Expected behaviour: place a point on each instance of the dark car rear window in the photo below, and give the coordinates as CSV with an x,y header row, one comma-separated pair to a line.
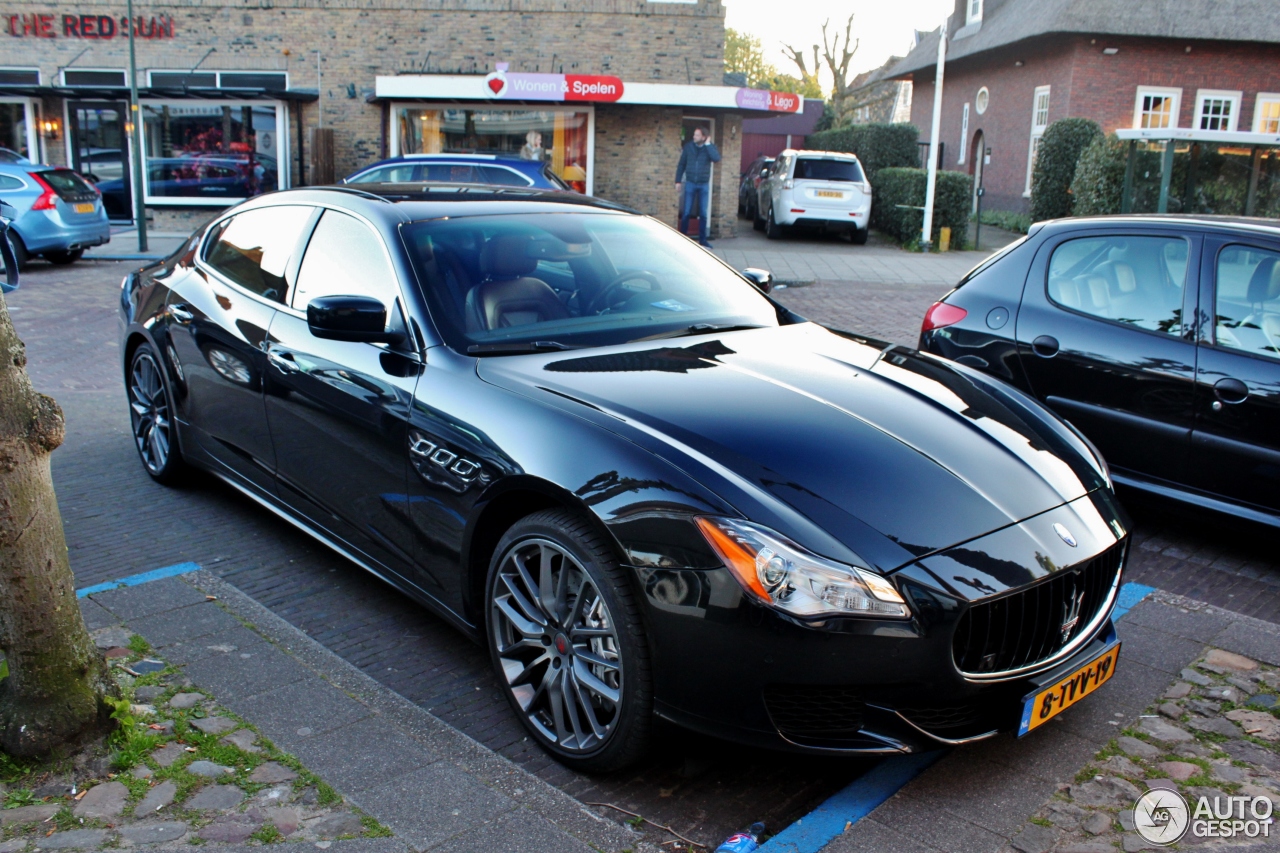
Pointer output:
x,y
827,170
65,182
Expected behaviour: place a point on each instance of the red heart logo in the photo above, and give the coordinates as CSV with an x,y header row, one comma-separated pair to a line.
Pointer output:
x,y
496,84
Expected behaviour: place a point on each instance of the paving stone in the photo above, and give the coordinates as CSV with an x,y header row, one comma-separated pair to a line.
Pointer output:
x,y
1196,678
1107,791
1241,750
1228,773
215,798
312,703
169,753
1137,748
362,755
1226,694
110,638
142,771
153,833
271,773
520,831
134,602
1204,707
213,725
1035,838
1162,731
1131,842
186,700
156,799
208,769
116,653
1194,750
28,814
334,825
1125,816
228,830
1121,766
1087,847
13,845
1097,823
77,838
243,739
1243,684
53,788
1178,691
1262,700
148,692
1230,660
1179,770
1065,814
285,820
1170,710
188,623
426,807
1256,723
105,801
1214,725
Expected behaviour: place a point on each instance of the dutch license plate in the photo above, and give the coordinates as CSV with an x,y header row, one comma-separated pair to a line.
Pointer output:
x,y
828,194
87,207
1049,702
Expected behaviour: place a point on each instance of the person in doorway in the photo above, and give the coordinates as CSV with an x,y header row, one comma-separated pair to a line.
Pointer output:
x,y
693,180
533,149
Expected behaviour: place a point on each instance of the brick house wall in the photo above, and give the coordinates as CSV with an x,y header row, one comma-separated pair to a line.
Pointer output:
x,y
1084,82
358,40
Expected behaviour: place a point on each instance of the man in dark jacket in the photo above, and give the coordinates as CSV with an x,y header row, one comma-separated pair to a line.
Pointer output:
x,y
693,179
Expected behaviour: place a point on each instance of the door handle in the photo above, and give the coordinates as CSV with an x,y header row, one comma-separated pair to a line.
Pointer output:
x,y
1230,391
181,313
1045,346
282,360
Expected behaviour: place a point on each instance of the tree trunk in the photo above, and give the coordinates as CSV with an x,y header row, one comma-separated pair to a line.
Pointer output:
x,y
57,678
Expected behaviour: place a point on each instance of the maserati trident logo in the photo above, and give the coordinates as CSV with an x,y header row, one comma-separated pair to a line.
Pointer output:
x,y
1064,534
1071,611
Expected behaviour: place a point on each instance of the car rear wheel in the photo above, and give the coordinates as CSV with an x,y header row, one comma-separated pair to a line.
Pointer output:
x,y
20,254
757,221
63,258
772,229
858,236
567,642
151,416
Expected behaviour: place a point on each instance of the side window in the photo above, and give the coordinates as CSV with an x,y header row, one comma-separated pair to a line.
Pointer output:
x,y
402,172
344,258
253,248
1137,281
452,173
503,177
8,182
1247,300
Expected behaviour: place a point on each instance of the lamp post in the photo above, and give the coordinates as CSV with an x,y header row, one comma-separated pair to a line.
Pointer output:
x,y
135,114
931,186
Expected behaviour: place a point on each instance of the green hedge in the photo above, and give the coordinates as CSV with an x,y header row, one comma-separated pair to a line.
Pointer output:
x,y
1059,151
878,146
952,203
1099,180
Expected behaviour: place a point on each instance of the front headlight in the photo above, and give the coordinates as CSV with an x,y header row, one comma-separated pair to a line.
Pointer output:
x,y
781,574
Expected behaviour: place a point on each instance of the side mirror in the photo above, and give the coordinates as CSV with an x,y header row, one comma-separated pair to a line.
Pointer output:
x,y
360,319
762,279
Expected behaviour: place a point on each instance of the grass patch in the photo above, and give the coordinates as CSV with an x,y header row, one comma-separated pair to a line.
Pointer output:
x,y
1086,773
1017,222
373,829
19,797
267,834
139,646
1041,821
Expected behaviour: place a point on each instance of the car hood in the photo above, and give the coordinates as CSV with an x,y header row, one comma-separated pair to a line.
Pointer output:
x,y
873,443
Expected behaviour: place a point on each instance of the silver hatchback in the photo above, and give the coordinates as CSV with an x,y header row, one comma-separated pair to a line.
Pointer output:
x,y
59,214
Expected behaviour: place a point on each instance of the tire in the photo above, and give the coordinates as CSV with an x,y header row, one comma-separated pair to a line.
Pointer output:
x,y
772,229
20,253
64,258
858,236
603,721
151,417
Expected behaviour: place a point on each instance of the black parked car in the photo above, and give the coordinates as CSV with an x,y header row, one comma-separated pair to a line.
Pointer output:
x,y
1158,337
649,489
749,186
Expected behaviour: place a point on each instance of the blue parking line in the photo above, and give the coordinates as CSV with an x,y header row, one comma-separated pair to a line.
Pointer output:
x,y
139,579
1130,595
817,829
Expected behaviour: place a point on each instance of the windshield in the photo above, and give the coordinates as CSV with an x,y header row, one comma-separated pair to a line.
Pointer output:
x,y
572,279
808,168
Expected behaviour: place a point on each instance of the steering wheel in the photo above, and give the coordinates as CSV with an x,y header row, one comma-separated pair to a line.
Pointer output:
x,y
604,301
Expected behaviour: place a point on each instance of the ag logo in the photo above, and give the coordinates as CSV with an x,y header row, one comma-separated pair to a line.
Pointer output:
x,y
1161,816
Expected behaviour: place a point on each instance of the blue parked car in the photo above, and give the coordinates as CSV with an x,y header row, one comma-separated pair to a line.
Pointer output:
x,y
58,213
460,169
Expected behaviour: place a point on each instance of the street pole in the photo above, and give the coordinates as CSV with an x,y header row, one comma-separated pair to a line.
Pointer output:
x,y
135,115
926,231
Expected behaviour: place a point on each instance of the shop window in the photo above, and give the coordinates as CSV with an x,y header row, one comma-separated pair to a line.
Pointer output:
x,y
558,138
1266,114
1039,121
15,129
184,80
210,153
94,77
252,80
1156,108
269,80
19,77
1216,110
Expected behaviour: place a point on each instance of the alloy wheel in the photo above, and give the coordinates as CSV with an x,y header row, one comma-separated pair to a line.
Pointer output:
x,y
149,413
557,646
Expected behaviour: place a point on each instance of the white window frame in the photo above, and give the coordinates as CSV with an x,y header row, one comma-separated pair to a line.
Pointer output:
x,y
39,74
1203,95
282,145
982,100
1037,130
1144,91
970,16
1263,99
32,117
393,141
964,134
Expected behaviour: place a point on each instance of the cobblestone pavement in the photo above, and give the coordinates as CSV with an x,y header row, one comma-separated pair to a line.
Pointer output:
x,y
118,522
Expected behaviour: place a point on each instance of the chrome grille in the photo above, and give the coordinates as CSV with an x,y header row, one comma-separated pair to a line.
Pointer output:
x,y
1034,624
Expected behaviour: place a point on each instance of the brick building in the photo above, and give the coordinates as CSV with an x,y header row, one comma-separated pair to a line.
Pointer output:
x,y
230,93
1016,66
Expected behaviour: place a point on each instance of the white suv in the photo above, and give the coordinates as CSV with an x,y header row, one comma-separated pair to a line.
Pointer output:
x,y
818,189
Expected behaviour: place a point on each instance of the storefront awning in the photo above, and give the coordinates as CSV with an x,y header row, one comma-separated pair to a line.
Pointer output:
x,y
101,93
503,86
1186,134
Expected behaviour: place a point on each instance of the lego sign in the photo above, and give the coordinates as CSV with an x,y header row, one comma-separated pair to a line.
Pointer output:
x,y
48,26
762,99
598,88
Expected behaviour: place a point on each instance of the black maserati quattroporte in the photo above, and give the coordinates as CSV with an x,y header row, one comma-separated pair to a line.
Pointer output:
x,y
649,489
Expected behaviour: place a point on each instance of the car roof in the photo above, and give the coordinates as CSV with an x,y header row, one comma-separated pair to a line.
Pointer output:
x,y
806,152
505,159
1248,224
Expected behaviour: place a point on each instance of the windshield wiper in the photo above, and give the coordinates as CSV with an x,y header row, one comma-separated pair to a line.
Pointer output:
x,y
518,347
697,329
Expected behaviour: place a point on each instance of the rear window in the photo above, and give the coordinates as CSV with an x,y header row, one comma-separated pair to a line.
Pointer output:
x,y
65,182
814,169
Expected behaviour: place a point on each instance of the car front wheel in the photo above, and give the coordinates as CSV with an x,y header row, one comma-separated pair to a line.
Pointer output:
x,y
567,642
151,416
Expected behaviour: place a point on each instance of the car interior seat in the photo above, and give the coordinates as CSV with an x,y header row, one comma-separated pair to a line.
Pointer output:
x,y
1264,287
508,295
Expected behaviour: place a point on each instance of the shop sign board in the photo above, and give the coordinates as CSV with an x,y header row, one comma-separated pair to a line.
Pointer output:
x,y
762,99
48,25
519,86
